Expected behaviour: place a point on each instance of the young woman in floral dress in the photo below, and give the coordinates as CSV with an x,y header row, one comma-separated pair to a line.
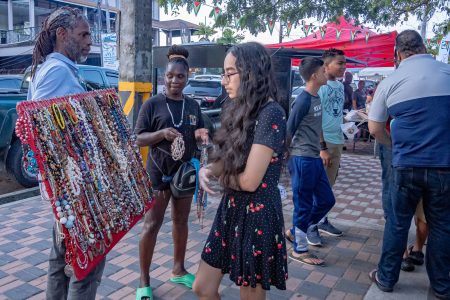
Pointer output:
x,y
247,237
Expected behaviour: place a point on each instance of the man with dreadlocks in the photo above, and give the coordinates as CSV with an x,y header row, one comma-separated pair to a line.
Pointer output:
x,y
65,40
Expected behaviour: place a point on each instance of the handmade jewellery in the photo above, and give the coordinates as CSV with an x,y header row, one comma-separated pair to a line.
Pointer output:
x,y
177,148
202,198
91,171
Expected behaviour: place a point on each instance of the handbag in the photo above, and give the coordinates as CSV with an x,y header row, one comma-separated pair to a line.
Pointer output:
x,y
184,183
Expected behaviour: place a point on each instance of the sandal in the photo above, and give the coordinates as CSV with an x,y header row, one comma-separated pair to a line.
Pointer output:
x,y
186,280
373,277
415,256
305,258
143,293
290,236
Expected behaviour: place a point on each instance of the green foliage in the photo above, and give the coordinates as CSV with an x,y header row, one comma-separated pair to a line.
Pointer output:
x,y
229,37
440,30
254,14
205,31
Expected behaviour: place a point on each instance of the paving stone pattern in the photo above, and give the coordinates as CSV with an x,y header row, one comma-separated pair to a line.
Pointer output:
x,y
25,239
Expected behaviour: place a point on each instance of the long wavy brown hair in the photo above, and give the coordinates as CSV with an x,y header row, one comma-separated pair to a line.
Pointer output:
x,y
257,87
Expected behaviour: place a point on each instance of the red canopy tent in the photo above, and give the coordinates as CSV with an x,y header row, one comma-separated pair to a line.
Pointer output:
x,y
377,50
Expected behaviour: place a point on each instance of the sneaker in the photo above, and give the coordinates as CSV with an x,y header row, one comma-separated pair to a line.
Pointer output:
x,y
313,237
374,278
328,228
407,265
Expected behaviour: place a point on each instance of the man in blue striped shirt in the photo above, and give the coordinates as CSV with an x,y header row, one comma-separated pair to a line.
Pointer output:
x,y
417,96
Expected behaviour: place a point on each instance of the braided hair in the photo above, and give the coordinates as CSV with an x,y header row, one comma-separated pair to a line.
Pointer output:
x,y
65,17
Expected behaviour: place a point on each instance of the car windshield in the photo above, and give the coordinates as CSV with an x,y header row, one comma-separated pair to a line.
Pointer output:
x,y
10,83
203,88
296,90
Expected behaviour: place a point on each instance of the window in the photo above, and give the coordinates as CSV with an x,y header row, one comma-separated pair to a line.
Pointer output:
x,y
113,79
93,79
203,88
10,83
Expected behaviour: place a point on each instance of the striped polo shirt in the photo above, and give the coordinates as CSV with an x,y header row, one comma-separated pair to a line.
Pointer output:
x,y
417,96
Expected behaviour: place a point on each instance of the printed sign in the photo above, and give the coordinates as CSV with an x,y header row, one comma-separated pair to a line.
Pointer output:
x,y
109,51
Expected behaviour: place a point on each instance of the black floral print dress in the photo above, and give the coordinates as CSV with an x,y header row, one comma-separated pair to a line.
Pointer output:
x,y
247,236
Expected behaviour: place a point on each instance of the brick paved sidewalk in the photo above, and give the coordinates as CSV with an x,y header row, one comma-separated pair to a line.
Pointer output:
x,y
25,241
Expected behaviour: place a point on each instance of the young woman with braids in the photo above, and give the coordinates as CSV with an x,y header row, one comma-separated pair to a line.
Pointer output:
x,y
65,39
247,237
161,120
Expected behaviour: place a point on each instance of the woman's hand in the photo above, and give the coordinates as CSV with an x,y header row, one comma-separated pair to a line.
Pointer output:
x,y
202,134
204,175
170,133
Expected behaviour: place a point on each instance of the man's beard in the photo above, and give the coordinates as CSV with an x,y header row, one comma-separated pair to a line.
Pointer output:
x,y
82,59
74,51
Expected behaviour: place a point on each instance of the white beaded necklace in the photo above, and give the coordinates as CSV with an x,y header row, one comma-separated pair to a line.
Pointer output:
x,y
178,125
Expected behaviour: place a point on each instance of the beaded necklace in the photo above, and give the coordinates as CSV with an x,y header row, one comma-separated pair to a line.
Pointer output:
x,y
179,124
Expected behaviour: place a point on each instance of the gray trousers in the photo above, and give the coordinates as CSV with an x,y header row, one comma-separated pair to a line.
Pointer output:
x,y
60,287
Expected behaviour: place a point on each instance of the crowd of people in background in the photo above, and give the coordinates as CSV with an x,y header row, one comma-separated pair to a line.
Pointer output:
x,y
409,117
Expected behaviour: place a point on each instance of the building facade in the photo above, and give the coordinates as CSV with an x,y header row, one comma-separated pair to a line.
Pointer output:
x,y
20,20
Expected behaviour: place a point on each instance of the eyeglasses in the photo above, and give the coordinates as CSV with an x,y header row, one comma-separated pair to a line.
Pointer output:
x,y
227,76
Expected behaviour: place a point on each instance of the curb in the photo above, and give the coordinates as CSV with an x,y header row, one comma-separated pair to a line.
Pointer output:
x,y
19,195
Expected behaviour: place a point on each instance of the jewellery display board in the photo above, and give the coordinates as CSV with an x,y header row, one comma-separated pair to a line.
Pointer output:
x,y
90,170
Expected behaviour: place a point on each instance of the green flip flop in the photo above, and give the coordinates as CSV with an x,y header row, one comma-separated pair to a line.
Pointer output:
x,y
145,292
186,280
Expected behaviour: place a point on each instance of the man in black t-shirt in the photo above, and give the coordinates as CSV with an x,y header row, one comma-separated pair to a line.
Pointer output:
x,y
348,90
359,96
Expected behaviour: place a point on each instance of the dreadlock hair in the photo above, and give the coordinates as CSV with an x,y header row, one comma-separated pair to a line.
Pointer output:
x,y
178,55
65,17
331,53
257,87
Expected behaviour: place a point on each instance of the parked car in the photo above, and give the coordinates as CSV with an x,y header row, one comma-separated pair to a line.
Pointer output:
x,y
368,84
10,83
94,78
296,90
10,145
208,77
205,91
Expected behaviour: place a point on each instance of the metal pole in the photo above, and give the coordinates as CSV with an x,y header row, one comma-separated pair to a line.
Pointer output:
x,y
280,37
99,29
108,21
423,23
31,18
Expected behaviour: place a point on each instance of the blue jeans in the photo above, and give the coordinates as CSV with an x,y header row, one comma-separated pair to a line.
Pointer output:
x,y
312,194
385,153
408,187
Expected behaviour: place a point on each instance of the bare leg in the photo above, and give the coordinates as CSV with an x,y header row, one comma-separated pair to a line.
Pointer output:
x,y
180,217
152,223
207,281
249,293
421,234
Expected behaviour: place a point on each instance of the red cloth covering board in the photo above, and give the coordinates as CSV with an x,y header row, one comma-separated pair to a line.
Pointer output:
x,y
96,202
377,50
